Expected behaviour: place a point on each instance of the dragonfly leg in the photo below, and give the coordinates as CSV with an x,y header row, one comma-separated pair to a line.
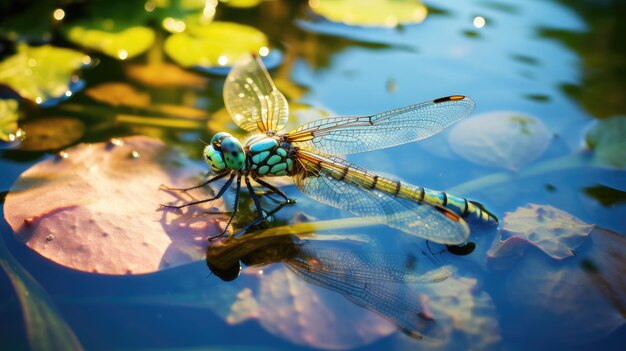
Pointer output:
x,y
275,190
209,181
235,208
219,194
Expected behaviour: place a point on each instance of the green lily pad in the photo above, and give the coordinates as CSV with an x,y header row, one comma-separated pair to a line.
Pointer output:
x,y
8,119
111,38
52,133
607,139
378,13
43,73
500,139
242,4
216,44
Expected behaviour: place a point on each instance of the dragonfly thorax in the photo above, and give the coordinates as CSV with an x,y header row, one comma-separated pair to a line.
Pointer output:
x,y
224,151
268,155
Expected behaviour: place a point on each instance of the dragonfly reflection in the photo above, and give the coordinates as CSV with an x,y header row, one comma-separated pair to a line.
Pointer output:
x,y
380,282
308,154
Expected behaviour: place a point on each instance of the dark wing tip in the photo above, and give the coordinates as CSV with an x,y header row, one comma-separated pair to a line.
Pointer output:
x,y
449,98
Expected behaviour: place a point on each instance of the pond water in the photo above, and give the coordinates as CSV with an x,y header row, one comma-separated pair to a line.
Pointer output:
x,y
543,150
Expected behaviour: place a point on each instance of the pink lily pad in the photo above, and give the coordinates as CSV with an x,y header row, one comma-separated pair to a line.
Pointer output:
x,y
95,208
555,232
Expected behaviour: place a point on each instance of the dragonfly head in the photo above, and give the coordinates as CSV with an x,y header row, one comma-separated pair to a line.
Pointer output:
x,y
224,151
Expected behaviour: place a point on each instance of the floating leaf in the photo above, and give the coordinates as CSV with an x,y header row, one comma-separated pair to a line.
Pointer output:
x,y
94,208
45,327
164,75
379,13
43,74
555,232
118,94
112,39
214,45
578,300
500,139
51,133
8,119
241,3
607,139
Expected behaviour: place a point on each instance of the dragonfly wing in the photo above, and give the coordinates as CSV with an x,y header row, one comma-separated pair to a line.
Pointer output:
x,y
330,185
349,135
365,285
251,98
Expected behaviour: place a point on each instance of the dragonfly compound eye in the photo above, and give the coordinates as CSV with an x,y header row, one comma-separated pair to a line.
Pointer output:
x,y
218,138
214,158
233,153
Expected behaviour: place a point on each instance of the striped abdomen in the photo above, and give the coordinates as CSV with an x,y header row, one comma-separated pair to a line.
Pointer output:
x,y
343,170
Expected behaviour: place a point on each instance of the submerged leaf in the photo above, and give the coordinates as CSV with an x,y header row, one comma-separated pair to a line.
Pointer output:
x,y
164,75
45,327
380,13
215,45
42,74
500,139
95,208
118,94
8,119
578,300
607,139
120,43
51,133
555,232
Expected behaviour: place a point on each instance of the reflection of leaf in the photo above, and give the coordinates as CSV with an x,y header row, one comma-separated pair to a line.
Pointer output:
x,y
45,328
8,119
51,133
576,300
31,24
119,43
500,139
555,232
307,315
216,44
95,210
41,73
466,314
381,13
607,139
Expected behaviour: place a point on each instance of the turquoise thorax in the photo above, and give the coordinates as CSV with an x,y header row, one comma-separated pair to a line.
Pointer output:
x,y
268,157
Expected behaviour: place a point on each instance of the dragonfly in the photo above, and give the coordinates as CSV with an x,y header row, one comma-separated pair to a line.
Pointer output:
x,y
310,154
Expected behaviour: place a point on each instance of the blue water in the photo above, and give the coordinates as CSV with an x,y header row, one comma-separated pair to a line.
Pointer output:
x,y
546,59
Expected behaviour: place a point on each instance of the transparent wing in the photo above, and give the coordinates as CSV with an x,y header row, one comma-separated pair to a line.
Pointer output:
x,y
349,135
251,98
375,281
345,186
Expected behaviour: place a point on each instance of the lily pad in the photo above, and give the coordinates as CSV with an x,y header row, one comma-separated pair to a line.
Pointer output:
x,y
607,139
553,231
217,44
51,133
95,207
377,13
241,3
107,37
8,119
500,139
43,74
